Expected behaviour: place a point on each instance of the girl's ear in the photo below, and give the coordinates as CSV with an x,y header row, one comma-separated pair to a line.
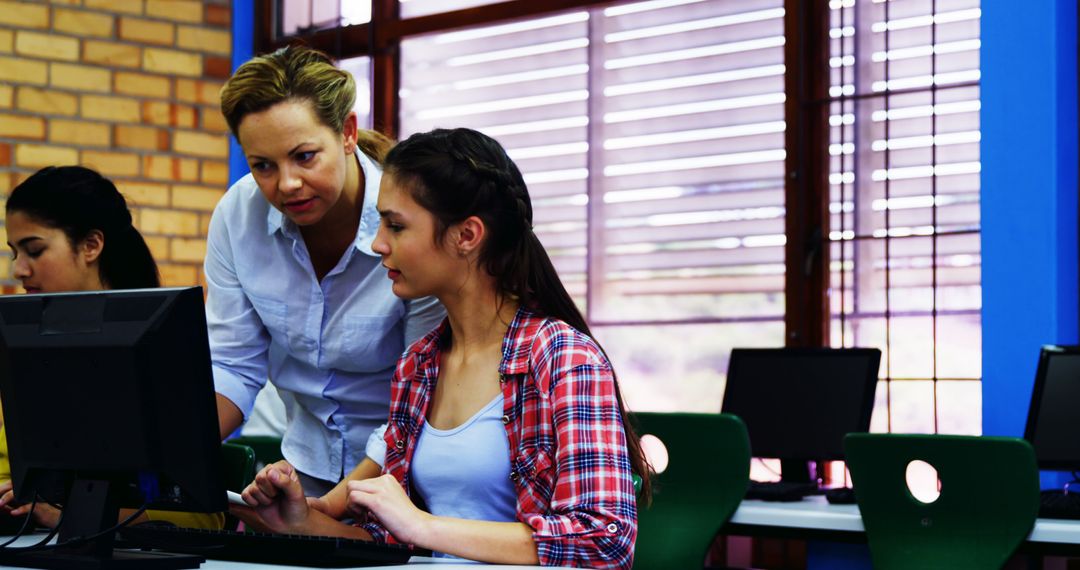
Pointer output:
x,y
91,246
469,235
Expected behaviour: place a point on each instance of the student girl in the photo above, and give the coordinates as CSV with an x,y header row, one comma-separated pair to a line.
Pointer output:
x,y
69,229
507,439
295,293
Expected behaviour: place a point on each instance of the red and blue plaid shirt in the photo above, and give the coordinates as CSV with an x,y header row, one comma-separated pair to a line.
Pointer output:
x,y
568,457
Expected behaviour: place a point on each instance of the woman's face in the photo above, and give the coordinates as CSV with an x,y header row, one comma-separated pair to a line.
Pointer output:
x,y
45,261
299,163
416,263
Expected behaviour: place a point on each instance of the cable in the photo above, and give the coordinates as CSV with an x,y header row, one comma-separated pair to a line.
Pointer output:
x,y
43,543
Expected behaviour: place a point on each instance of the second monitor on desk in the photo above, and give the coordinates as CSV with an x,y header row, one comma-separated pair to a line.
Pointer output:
x,y
798,403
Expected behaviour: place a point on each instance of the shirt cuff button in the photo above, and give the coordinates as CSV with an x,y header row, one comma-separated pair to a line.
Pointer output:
x,y
400,444
612,528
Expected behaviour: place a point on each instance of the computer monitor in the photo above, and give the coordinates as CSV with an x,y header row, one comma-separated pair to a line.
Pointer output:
x,y
1053,424
798,403
109,402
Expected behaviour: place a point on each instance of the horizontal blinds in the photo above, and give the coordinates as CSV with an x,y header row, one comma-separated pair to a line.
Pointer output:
x,y
682,103
904,153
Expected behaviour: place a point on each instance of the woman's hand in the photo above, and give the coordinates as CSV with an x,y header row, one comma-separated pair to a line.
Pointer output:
x,y
385,498
276,499
44,513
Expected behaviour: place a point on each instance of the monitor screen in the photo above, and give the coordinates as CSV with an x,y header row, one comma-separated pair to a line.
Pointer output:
x,y
113,387
798,403
1053,422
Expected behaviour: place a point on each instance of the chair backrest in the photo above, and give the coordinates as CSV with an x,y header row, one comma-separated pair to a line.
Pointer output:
x,y
238,462
707,474
267,448
988,502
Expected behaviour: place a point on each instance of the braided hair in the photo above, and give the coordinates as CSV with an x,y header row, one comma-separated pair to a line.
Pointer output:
x,y
458,173
77,201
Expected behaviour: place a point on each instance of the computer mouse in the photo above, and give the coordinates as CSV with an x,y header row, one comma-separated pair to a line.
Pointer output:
x,y
840,496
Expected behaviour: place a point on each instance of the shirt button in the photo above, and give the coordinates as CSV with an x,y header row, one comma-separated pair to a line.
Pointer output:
x,y
506,420
612,528
514,476
400,444
502,377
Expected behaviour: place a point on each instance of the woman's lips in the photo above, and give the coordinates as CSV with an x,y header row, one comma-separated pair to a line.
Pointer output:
x,y
300,205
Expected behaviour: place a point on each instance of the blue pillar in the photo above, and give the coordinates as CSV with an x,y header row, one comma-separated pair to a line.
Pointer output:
x,y
1029,197
243,46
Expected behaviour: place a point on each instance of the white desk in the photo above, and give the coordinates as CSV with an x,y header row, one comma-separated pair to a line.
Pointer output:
x,y
814,518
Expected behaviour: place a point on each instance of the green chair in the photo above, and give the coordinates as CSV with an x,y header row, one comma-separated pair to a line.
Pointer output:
x,y
267,448
238,465
988,502
706,477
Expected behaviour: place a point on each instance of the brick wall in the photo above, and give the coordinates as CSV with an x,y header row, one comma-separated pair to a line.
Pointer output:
x,y
128,87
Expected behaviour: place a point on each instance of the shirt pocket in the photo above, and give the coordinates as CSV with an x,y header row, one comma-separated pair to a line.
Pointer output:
x,y
373,343
535,466
274,316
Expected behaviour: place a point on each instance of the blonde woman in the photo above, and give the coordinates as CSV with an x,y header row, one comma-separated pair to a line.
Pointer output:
x,y
295,293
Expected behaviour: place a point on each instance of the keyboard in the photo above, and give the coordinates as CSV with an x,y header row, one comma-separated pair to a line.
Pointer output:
x,y
785,491
1056,504
296,550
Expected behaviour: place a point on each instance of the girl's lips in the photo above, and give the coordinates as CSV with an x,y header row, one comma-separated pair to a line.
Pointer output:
x,y
393,273
32,289
300,205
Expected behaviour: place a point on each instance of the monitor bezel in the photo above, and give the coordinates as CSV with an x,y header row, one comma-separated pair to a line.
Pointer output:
x,y
873,359
1046,353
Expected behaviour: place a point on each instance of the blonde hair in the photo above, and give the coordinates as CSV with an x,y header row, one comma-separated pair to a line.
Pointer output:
x,y
297,73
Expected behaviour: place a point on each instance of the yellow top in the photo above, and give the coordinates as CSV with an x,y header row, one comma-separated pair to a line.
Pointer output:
x,y
189,520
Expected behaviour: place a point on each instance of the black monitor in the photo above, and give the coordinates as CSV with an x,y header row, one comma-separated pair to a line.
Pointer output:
x,y
1053,423
799,403
109,402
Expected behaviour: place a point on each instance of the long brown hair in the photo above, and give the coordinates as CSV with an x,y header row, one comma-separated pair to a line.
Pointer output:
x,y
457,173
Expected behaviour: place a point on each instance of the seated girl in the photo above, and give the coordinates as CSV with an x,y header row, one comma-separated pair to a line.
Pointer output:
x,y
69,229
507,440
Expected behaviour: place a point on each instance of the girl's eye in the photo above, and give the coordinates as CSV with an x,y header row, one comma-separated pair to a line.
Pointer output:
x,y
305,156
260,167
35,253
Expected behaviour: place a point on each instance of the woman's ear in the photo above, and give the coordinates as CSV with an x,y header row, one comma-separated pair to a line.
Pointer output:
x,y
469,235
91,246
350,132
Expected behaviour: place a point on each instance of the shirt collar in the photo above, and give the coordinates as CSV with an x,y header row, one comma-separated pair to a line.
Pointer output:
x,y
517,343
369,215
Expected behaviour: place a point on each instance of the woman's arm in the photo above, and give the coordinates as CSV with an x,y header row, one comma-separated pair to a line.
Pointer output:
x,y
334,504
276,503
494,542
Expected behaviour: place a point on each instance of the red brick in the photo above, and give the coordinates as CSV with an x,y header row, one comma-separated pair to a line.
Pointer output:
x,y
216,15
5,154
219,67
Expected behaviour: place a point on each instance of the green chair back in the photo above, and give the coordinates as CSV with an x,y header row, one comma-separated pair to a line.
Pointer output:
x,y
706,477
238,462
267,448
988,502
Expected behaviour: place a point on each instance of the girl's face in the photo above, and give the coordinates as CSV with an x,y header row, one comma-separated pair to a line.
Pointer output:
x,y
45,261
299,163
416,263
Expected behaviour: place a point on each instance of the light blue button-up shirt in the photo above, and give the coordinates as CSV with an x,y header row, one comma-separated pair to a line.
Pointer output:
x,y
330,347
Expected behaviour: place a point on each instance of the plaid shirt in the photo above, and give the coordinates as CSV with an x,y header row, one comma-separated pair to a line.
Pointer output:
x,y
569,462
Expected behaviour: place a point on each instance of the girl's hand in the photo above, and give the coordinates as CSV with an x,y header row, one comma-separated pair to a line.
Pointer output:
x,y
44,514
277,500
385,498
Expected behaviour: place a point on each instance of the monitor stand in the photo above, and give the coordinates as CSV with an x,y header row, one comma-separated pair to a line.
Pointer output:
x,y
795,471
90,510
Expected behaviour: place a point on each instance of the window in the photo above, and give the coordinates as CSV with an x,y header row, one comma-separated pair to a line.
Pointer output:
x,y
904,201
652,136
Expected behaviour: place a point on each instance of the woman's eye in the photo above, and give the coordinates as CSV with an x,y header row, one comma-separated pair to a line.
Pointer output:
x,y
305,156
260,167
35,253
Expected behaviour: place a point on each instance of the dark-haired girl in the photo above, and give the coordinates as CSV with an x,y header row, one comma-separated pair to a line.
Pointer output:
x,y
506,422
69,229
